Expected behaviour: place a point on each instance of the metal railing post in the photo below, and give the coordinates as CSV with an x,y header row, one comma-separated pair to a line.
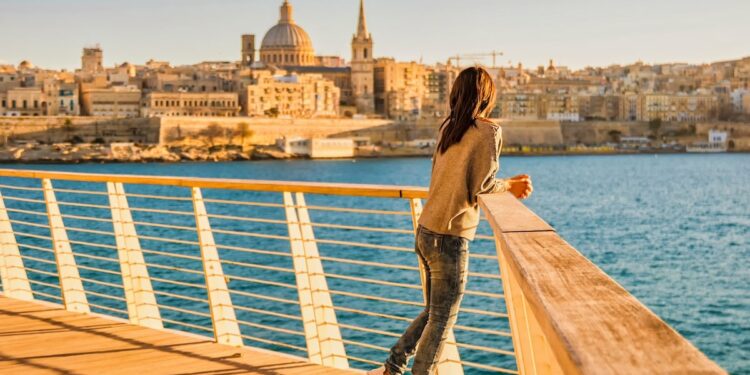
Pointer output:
x,y
71,286
450,360
304,292
139,294
12,271
223,317
332,348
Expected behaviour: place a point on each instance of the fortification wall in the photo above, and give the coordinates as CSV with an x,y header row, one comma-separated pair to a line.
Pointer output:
x,y
63,129
531,132
176,130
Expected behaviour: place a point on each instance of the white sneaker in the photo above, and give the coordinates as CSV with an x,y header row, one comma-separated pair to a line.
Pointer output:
x,y
378,371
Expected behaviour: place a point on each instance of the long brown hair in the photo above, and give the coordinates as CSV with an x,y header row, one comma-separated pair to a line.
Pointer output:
x,y
473,96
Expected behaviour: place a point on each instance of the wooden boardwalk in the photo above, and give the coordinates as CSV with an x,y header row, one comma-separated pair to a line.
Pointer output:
x,y
41,338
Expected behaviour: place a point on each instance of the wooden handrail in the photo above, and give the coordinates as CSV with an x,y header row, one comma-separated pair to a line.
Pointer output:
x,y
362,190
574,318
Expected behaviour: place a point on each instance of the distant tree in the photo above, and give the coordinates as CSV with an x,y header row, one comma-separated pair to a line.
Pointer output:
x,y
174,134
68,128
5,136
655,125
212,132
615,135
243,131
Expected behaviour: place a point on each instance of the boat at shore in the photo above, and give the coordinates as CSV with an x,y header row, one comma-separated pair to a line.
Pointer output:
x,y
707,147
717,142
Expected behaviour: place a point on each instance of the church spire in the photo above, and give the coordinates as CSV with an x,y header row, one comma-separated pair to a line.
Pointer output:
x,y
362,25
286,13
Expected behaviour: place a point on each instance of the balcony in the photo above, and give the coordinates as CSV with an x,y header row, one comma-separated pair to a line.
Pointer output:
x,y
322,272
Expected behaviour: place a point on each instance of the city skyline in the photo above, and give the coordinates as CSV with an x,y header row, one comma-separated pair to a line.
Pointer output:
x,y
575,36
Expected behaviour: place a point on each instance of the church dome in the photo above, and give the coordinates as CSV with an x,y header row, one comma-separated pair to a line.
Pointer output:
x,y
286,35
25,64
286,43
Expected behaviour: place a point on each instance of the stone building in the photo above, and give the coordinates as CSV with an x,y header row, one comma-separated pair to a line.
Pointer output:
x,y
400,88
24,101
291,95
599,107
201,104
678,107
91,60
518,106
62,97
115,102
286,43
560,107
439,83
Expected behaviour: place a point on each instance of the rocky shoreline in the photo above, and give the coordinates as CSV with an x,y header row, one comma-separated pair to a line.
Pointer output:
x,y
133,153
129,153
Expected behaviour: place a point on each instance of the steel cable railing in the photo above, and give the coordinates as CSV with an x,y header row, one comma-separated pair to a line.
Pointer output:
x,y
341,269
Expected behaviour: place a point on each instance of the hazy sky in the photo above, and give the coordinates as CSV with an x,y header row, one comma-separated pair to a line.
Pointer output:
x,y
576,33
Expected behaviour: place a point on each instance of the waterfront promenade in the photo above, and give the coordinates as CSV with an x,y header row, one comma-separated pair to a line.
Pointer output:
x,y
542,306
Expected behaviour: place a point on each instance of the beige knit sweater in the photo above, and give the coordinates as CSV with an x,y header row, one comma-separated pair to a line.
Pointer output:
x,y
464,171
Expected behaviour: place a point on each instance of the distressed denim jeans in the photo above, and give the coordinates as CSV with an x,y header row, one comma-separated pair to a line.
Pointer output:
x,y
445,260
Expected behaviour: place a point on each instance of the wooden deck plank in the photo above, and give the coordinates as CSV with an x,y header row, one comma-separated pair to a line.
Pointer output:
x,y
41,338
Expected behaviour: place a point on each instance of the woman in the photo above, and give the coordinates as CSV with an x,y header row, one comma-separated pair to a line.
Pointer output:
x,y
464,165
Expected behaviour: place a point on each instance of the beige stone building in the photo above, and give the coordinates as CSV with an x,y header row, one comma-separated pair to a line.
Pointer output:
x,y
678,107
208,104
399,88
519,106
92,60
24,101
8,78
62,98
117,102
560,107
439,83
287,43
291,95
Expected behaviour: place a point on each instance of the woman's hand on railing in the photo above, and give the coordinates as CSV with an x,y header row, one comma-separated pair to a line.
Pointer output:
x,y
520,186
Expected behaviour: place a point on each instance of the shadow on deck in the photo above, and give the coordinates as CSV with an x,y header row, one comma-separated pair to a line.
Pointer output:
x,y
42,338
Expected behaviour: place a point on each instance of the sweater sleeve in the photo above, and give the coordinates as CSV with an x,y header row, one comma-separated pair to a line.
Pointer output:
x,y
486,167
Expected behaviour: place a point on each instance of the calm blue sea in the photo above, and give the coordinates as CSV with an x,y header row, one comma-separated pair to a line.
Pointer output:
x,y
672,229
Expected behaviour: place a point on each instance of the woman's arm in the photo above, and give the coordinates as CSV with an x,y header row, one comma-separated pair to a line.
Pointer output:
x,y
520,186
486,166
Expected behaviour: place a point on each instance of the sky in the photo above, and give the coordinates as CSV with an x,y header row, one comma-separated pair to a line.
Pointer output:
x,y
575,33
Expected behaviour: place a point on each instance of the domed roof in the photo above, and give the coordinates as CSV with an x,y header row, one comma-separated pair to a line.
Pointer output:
x,y
25,64
286,33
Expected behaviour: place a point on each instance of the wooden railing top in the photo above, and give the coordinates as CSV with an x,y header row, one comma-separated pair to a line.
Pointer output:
x,y
362,190
593,325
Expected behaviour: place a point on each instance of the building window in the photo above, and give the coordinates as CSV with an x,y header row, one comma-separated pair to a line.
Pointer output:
x,y
365,53
25,104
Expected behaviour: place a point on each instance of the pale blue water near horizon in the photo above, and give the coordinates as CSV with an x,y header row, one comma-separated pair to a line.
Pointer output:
x,y
672,229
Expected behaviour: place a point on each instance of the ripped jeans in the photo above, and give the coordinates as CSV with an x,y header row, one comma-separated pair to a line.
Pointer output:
x,y
445,260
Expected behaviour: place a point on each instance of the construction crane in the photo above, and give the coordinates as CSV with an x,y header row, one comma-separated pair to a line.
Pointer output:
x,y
476,57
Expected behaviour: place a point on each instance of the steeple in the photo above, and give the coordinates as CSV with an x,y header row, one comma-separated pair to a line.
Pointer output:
x,y
362,24
286,13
